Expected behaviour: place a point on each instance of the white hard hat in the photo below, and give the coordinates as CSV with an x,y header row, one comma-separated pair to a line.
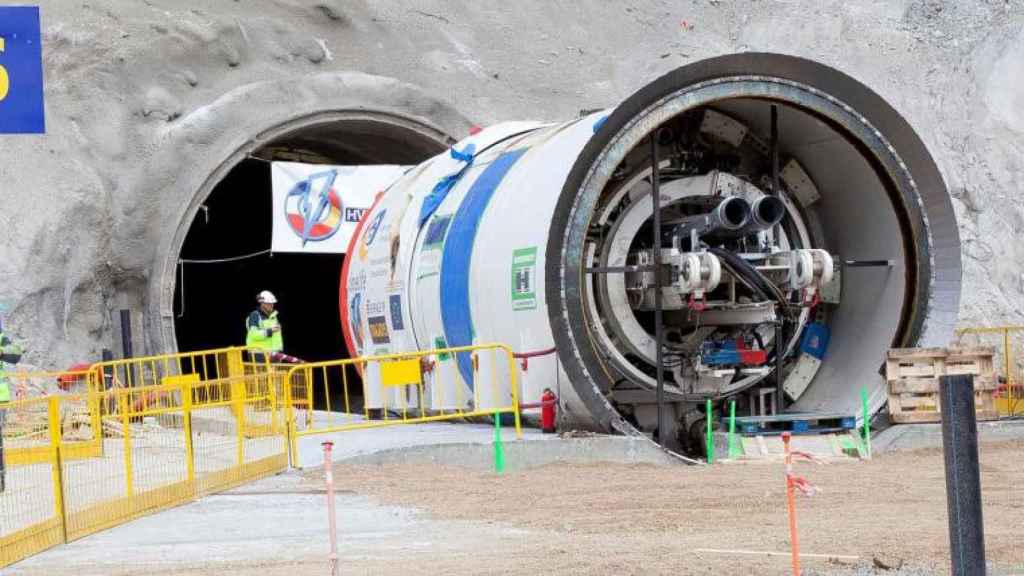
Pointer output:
x,y
266,297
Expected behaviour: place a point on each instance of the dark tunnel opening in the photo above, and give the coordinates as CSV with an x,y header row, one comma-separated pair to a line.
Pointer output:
x,y
225,259
217,285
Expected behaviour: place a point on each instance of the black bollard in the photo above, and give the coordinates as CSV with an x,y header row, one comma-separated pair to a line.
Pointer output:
x,y
126,347
963,477
107,355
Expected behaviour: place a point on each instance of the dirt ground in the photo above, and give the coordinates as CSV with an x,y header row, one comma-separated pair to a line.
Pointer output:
x,y
632,519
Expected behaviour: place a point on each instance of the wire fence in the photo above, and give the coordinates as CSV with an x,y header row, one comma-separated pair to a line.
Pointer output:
x,y
144,435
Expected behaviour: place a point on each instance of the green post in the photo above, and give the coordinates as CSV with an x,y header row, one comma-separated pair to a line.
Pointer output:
x,y
867,421
734,450
710,439
499,450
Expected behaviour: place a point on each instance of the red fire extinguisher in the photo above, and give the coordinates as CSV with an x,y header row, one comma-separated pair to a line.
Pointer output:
x,y
548,408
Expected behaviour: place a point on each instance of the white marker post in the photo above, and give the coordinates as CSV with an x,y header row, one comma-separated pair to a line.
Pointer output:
x,y
329,478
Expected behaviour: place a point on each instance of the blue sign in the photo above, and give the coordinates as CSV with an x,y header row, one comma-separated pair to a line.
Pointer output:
x,y
396,312
21,71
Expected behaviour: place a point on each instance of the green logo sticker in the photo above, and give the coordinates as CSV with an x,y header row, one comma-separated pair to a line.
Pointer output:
x,y
440,344
524,278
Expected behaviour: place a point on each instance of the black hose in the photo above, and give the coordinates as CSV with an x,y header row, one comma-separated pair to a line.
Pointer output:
x,y
753,278
758,339
741,268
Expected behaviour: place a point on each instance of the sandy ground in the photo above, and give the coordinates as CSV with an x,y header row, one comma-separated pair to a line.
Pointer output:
x,y
613,519
565,519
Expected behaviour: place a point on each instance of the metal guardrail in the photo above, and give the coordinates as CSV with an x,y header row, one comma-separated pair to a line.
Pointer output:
x,y
409,388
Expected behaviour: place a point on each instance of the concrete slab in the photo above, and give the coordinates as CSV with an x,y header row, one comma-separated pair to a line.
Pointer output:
x,y
917,436
281,520
354,443
526,455
269,522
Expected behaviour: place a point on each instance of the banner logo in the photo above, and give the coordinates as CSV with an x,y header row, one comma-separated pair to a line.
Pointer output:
x,y
313,207
318,208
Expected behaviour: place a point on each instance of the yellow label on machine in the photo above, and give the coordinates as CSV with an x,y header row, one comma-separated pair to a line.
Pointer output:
x,y
400,372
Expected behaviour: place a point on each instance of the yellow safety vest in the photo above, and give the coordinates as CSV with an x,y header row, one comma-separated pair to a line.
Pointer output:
x,y
10,353
260,332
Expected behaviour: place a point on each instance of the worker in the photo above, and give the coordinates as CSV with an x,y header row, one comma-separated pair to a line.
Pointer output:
x,y
263,331
10,353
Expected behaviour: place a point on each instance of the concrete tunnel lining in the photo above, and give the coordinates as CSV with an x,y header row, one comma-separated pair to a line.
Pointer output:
x,y
214,139
336,138
930,233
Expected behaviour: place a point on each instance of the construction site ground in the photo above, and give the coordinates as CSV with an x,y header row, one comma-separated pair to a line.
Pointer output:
x,y
599,518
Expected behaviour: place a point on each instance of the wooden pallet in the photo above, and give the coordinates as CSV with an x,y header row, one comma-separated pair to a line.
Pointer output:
x,y
913,378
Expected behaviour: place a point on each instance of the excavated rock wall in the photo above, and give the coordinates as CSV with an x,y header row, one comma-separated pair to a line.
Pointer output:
x,y
145,99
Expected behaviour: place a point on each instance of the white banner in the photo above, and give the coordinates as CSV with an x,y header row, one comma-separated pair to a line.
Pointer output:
x,y
317,207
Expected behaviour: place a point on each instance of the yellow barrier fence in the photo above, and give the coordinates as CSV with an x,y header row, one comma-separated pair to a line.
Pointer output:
x,y
1009,400
298,392
190,425
405,387
25,432
131,437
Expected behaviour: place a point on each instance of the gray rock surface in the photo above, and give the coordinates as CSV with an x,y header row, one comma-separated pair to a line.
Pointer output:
x,y
146,98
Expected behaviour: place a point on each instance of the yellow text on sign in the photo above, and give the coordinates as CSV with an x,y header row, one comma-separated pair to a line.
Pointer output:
x,y
5,82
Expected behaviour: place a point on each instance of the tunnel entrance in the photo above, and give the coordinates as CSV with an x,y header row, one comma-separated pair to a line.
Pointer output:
x,y
225,262
225,259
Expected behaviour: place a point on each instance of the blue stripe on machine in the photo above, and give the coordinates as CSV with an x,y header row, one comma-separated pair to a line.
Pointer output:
x,y
457,255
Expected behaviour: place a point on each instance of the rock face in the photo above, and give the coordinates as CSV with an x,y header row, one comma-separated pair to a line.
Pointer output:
x,y
146,99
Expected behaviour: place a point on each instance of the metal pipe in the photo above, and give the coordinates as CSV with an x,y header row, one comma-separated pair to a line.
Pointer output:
x,y
658,328
1008,362
765,212
869,263
780,352
730,216
775,149
963,478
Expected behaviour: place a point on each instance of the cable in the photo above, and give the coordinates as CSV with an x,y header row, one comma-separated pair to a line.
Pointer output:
x,y
223,260
751,276
758,339
742,271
